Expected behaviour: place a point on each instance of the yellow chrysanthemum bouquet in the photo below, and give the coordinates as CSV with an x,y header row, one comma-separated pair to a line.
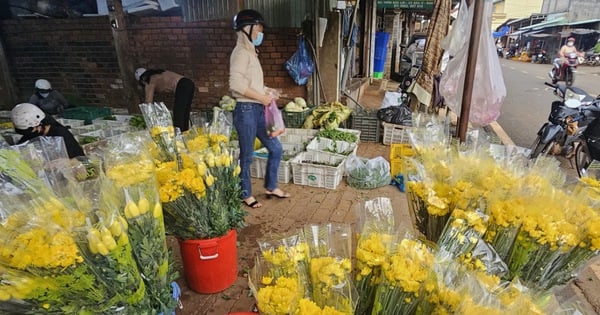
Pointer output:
x,y
375,238
462,232
198,180
403,276
130,169
42,238
330,266
279,279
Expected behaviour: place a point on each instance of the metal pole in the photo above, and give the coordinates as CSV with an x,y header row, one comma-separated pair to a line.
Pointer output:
x,y
463,122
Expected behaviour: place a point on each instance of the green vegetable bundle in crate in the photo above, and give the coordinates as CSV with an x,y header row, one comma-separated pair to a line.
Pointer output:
x,y
327,116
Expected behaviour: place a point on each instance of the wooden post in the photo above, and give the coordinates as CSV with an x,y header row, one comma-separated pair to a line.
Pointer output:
x,y
7,91
463,122
116,17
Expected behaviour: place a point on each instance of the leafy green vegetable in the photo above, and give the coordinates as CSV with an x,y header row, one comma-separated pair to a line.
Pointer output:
x,y
335,134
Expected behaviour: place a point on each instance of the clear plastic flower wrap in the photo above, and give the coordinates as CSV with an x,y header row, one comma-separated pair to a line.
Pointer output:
x,y
403,276
462,232
330,248
376,234
43,238
131,171
276,292
160,125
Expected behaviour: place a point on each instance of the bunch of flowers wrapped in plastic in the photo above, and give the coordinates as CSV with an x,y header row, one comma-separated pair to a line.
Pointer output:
x,y
60,260
330,266
199,183
403,276
372,250
542,229
131,171
279,279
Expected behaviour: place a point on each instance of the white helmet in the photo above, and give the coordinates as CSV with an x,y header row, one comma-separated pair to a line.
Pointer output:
x,y
42,84
26,115
139,72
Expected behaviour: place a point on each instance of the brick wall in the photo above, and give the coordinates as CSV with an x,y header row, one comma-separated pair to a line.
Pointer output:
x,y
78,57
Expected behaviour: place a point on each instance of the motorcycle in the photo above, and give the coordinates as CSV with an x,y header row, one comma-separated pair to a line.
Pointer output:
x,y
567,70
407,76
592,59
542,57
567,121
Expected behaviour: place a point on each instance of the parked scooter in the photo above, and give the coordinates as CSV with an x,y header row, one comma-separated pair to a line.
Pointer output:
x,y
542,57
407,76
592,59
567,70
567,121
588,147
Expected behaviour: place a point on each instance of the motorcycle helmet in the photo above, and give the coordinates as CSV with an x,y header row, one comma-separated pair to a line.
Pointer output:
x,y
571,39
26,115
43,86
247,17
139,72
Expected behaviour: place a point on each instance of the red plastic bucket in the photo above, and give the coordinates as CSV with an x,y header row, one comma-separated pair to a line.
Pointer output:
x,y
210,265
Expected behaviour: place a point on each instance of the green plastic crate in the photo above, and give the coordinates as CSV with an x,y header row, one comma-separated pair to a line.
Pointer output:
x,y
87,113
295,119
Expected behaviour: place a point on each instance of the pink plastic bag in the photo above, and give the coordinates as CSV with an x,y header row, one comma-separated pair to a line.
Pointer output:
x,y
274,120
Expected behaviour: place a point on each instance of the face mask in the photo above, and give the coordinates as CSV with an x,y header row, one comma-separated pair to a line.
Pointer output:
x,y
259,39
570,44
44,95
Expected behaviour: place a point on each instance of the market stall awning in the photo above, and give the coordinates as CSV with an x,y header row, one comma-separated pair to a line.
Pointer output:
x,y
584,22
516,34
545,24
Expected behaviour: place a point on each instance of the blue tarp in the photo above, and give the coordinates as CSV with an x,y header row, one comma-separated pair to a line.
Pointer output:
x,y
502,32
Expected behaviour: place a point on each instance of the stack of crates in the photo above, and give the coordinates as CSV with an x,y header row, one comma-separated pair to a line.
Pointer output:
x,y
367,123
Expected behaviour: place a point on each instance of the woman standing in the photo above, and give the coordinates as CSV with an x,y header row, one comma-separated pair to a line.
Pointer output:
x,y
246,83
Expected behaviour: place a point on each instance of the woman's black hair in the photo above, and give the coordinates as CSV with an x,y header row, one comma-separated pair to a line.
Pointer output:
x,y
145,77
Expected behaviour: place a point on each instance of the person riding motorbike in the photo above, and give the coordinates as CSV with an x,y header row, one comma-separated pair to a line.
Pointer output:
x,y
49,100
564,51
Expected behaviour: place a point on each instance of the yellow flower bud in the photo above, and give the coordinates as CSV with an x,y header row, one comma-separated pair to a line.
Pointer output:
x,y
132,209
218,161
4,296
104,232
211,162
124,223
202,168
157,213
210,180
237,170
102,250
115,228
143,205
109,242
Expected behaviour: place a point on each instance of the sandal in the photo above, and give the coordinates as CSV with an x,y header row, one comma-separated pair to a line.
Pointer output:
x,y
277,193
252,203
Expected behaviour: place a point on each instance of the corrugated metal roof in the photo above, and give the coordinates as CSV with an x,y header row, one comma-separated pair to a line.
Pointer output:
x,y
277,13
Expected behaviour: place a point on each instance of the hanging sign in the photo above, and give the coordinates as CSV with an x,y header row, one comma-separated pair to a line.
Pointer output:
x,y
405,4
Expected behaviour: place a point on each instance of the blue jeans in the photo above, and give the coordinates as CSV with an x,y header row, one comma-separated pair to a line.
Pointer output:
x,y
249,121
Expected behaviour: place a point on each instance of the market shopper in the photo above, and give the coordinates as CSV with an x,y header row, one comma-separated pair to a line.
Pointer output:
x,y
31,122
246,82
159,80
49,100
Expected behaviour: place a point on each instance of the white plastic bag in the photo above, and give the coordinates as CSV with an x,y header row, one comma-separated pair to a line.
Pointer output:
x,y
489,90
367,174
391,99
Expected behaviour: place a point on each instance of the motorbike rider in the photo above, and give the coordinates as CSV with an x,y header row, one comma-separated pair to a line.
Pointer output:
x,y
49,100
31,122
564,51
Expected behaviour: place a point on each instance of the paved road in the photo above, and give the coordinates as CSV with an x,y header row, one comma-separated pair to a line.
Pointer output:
x,y
528,100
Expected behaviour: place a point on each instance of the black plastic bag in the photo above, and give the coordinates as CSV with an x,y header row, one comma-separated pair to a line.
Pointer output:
x,y
300,66
399,115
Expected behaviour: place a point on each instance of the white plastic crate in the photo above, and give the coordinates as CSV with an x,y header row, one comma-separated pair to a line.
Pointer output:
x,y
84,129
297,136
258,168
98,134
393,133
71,122
353,131
330,146
318,169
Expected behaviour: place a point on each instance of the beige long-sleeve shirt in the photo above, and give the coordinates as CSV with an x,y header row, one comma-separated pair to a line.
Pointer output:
x,y
245,71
